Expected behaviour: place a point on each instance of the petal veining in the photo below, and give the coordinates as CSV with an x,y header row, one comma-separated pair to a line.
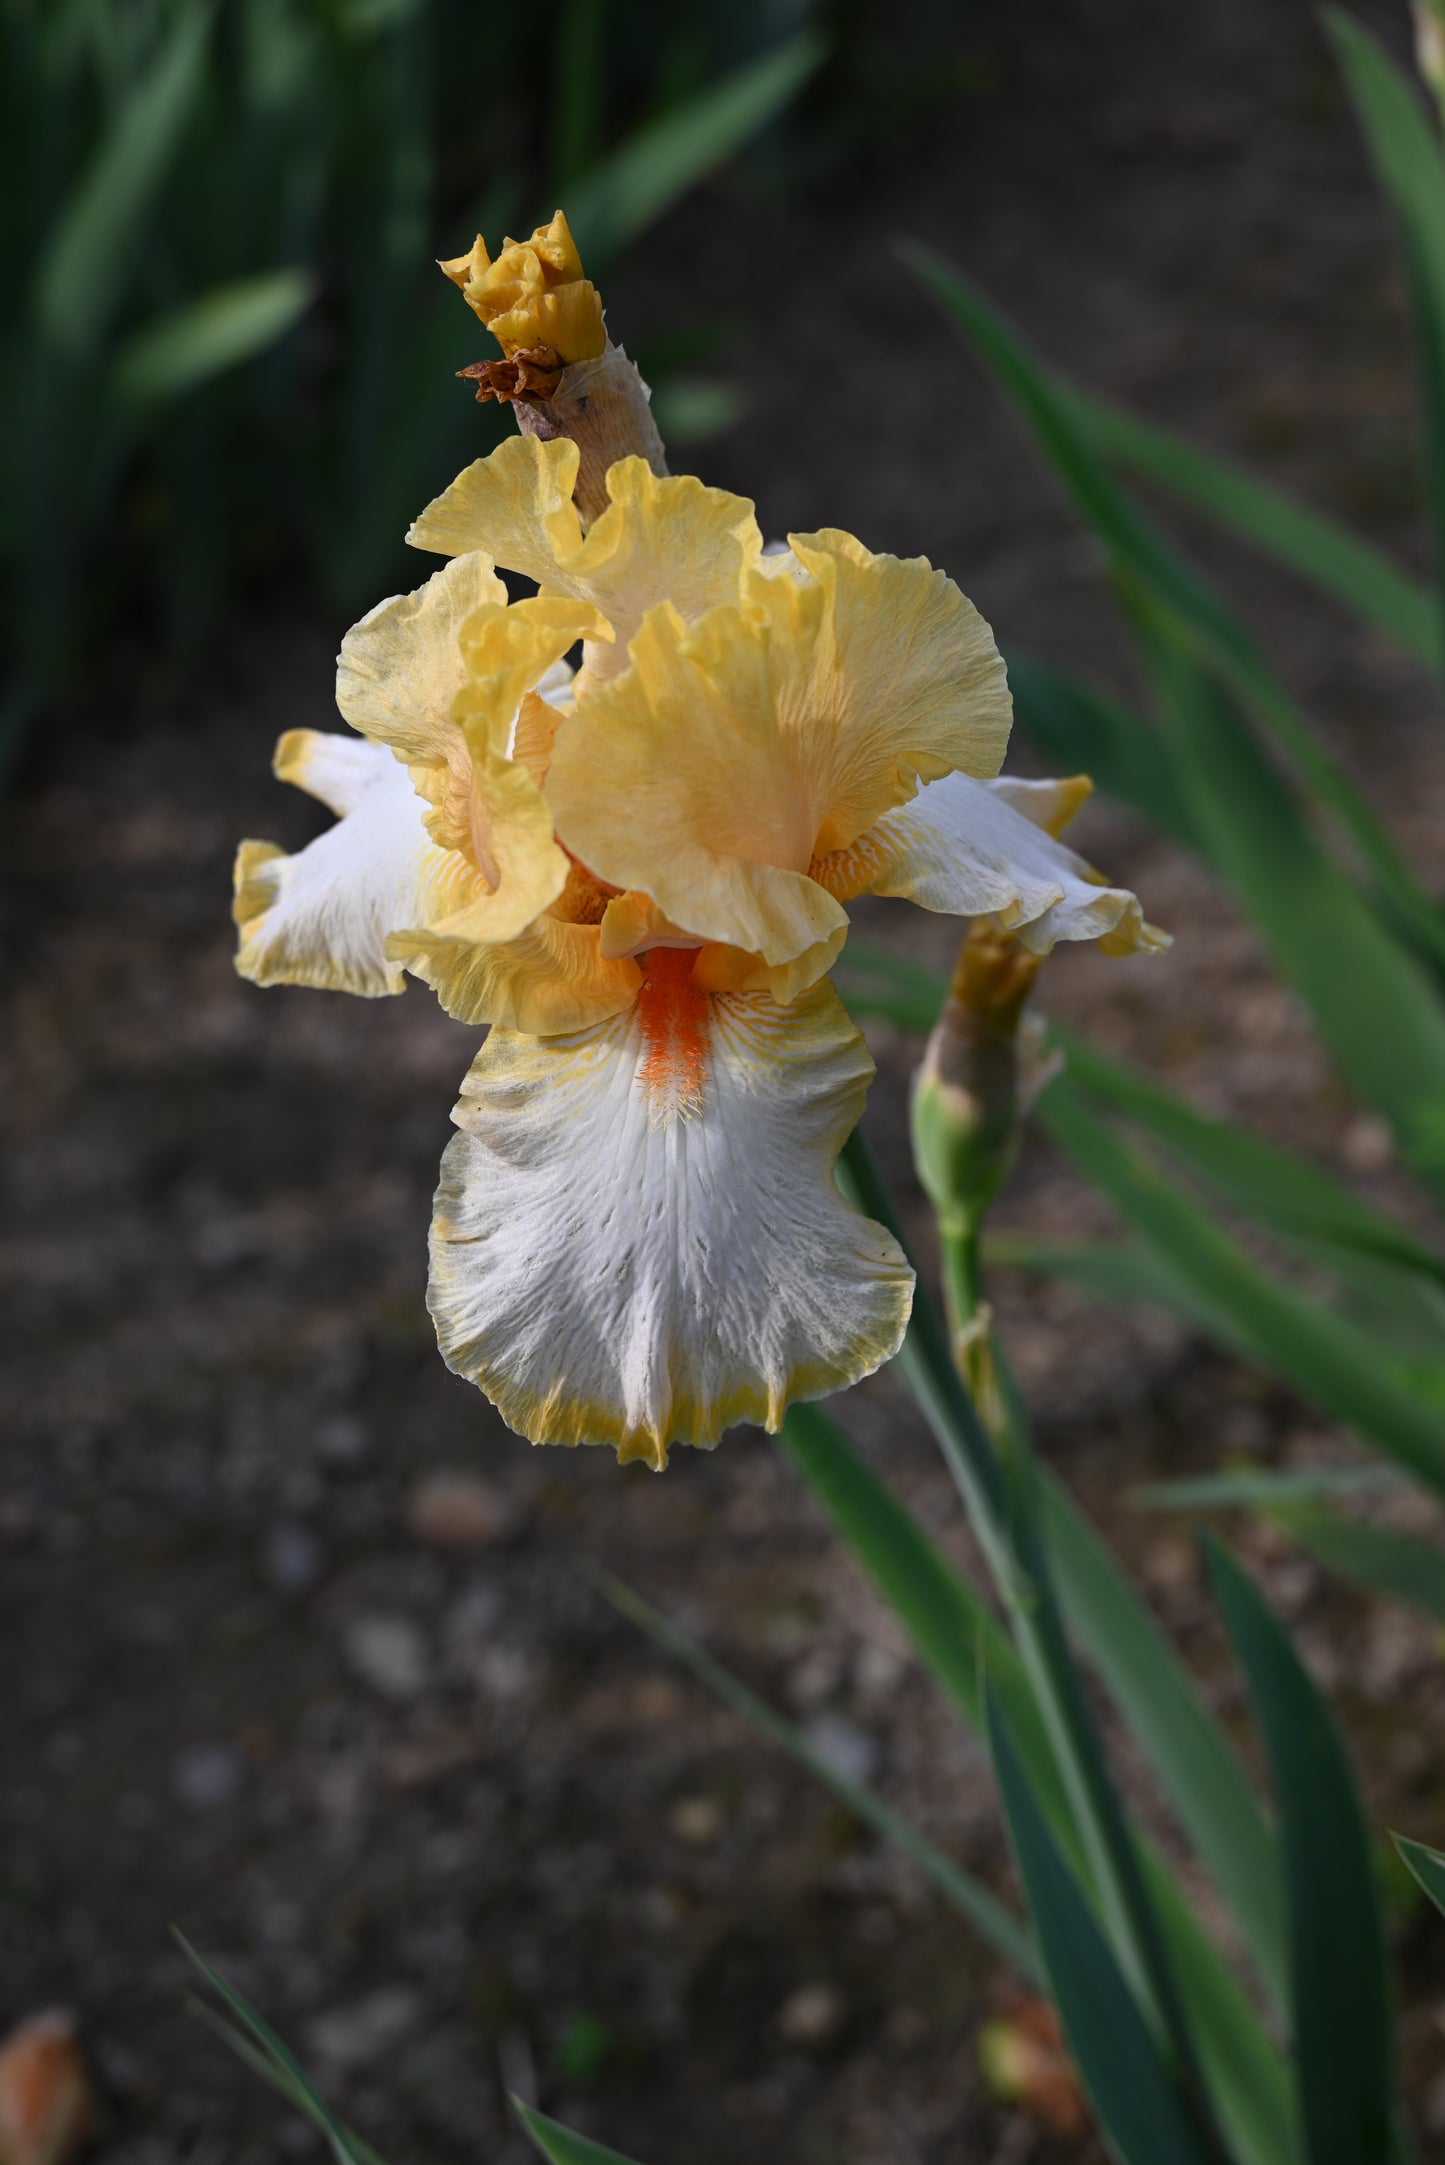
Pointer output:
x,y
612,1270
965,848
677,780
884,674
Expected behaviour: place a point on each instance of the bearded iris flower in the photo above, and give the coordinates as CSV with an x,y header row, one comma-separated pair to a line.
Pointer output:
x,y
637,877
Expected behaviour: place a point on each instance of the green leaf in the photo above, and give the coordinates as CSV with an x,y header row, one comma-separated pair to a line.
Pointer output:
x,y
1376,1007
1115,1270
955,1634
695,409
1427,1865
1078,728
216,331
949,1624
1411,169
1351,570
258,2045
1150,570
579,98
1333,1365
1248,1490
1156,1695
560,2145
1116,2055
657,165
1339,1987
980,1909
87,256
1381,1274
1400,1565
1271,1186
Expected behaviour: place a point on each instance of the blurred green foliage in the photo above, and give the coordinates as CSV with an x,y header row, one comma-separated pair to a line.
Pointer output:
x,y
1271,1255
228,349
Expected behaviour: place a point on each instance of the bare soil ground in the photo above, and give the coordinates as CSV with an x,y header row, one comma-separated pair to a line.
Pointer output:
x,y
448,1819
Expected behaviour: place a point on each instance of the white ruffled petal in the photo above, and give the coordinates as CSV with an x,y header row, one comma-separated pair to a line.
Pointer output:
x,y
965,848
638,1238
322,917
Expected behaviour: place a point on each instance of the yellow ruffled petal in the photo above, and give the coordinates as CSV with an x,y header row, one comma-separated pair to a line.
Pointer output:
x,y
678,780
884,674
521,495
534,294
1052,805
661,538
322,916
728,969
638,1237
398,674
512,846
551,978
632,922
401,667
492,809
533,735
733,753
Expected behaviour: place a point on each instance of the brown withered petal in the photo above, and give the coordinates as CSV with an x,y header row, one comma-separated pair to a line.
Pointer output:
x,y
45,2093
530,375
1026,2063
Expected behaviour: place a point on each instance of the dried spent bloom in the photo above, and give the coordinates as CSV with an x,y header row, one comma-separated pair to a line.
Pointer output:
x,y
637,876
1025,2062
560,372
46,2103
533,294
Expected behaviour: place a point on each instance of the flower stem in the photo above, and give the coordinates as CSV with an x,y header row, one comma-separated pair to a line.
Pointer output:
x,y
996,1476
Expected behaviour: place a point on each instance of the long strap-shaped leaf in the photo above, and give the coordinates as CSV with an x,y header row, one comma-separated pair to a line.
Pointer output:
x,y
1144,561
982,1910
954,1634
87,253
1079,728
998,1490
1377,1008
1428,1867
561,2145
1272,1186
1155,1693
1136,2096
1381,1274
1339,1987
1402,1566
1333,1365
666,157
258,2045
1351,570
1408,159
